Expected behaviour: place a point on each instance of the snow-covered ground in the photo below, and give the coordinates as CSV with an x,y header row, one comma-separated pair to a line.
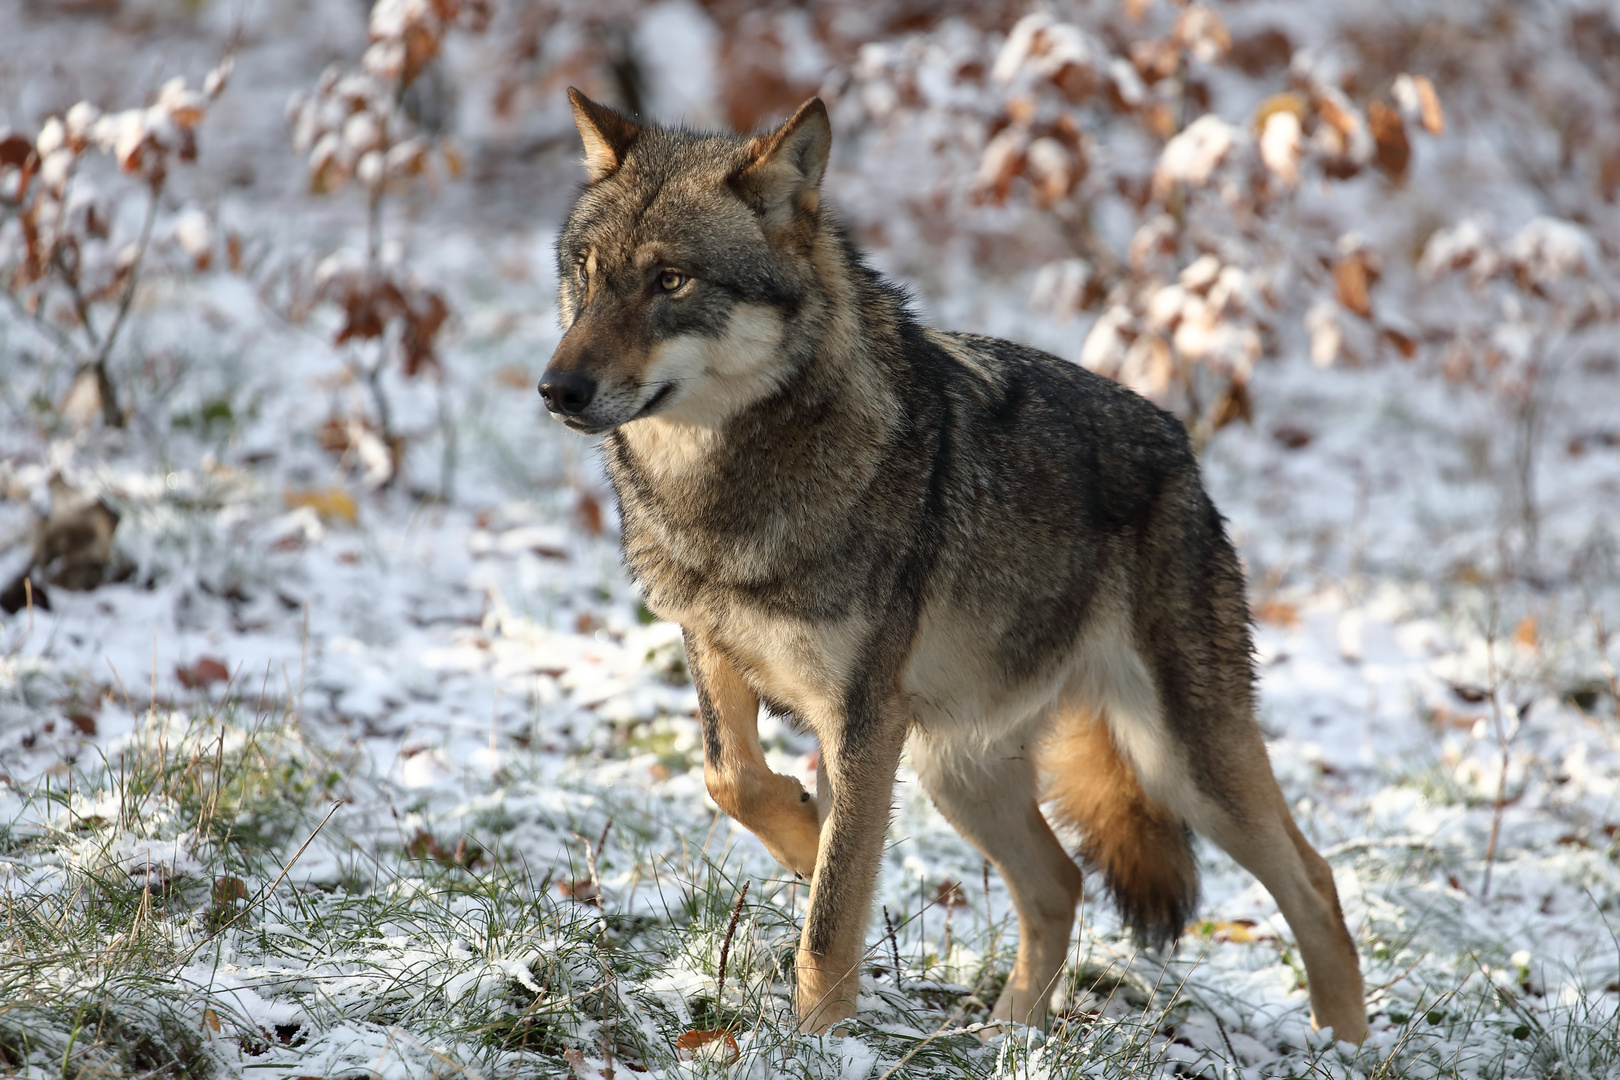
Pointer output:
x,y
341,782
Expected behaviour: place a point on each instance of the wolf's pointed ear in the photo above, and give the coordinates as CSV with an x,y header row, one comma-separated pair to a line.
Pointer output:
x,y
607,135
783,176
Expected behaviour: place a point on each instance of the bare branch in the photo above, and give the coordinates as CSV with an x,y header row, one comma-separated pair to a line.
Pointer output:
x,y
110,413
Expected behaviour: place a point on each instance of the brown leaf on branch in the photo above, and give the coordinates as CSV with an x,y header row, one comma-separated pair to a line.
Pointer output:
x,y
1525,635
1002,161
1155,59
1434,118
1202,32
15,150
1261,52
424,315
1353,277
1389,135
1232,403
1402,343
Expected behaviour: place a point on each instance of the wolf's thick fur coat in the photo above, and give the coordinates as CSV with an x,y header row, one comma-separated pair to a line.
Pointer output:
x,y
895,534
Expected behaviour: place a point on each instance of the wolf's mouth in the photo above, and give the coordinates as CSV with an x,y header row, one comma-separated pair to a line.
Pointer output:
x,y
655,401
585,427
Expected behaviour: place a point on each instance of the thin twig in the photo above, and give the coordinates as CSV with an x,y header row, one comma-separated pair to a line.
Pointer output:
x,y
40,323
110,414
1505,743
81,306
1227,1039
591,854
725,946
894,944
1604,663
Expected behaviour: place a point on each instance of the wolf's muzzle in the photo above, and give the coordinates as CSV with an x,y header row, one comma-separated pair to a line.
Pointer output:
x,y
567,393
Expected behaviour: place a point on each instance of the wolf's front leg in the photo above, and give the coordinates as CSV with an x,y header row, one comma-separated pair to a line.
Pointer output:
x,y
773,807
860,762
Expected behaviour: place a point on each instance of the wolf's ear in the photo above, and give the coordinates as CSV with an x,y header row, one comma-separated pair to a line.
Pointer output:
x,y
783,177
607,135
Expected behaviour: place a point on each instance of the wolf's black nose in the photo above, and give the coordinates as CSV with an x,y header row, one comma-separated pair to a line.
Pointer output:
x,y
567,392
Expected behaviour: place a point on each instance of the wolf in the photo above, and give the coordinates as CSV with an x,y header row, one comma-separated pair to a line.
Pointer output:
x,y
899,536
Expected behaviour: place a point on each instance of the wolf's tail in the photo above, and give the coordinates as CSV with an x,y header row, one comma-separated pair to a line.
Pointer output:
x,y
1143,850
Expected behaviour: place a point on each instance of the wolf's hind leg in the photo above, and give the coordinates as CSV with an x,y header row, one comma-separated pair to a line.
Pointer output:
x,y
773,807
1249,818
991,801
1140,845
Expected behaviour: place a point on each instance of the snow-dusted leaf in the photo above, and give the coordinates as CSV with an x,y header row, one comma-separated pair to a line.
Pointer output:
x,y
1192,157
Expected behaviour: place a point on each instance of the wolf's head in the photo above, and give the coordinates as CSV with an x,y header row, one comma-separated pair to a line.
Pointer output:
x,y
680,267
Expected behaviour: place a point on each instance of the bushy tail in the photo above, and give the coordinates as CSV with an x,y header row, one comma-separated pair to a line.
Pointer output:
x,y
1143,850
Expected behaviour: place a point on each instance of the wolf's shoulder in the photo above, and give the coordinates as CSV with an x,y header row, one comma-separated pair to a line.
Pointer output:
x,y
998,372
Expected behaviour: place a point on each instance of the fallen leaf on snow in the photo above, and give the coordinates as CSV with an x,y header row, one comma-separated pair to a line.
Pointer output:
x,y
715,1044
330,503
1236,931
576,1061
205,671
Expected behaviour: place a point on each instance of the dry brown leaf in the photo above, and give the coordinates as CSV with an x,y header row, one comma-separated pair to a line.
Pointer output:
x,y
1155,59
332,504
1352,280
1389,136
334,436
228,890
205,671
15,150
1261,52
589,513
1277,613
576,1061
1276,103
1237,931
1434,120
1291,437
1402,343
581,889
1525,634
691,1044
1203,33
1233,404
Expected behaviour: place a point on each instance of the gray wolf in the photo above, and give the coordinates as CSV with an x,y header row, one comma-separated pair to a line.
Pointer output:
x,y
898,535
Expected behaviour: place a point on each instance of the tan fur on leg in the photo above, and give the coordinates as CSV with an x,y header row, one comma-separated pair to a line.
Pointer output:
x,y
773,807
1263,838
990,800
833,942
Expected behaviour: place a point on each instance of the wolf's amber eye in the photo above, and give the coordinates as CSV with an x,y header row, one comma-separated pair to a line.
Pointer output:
x,y
670,280
579,270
